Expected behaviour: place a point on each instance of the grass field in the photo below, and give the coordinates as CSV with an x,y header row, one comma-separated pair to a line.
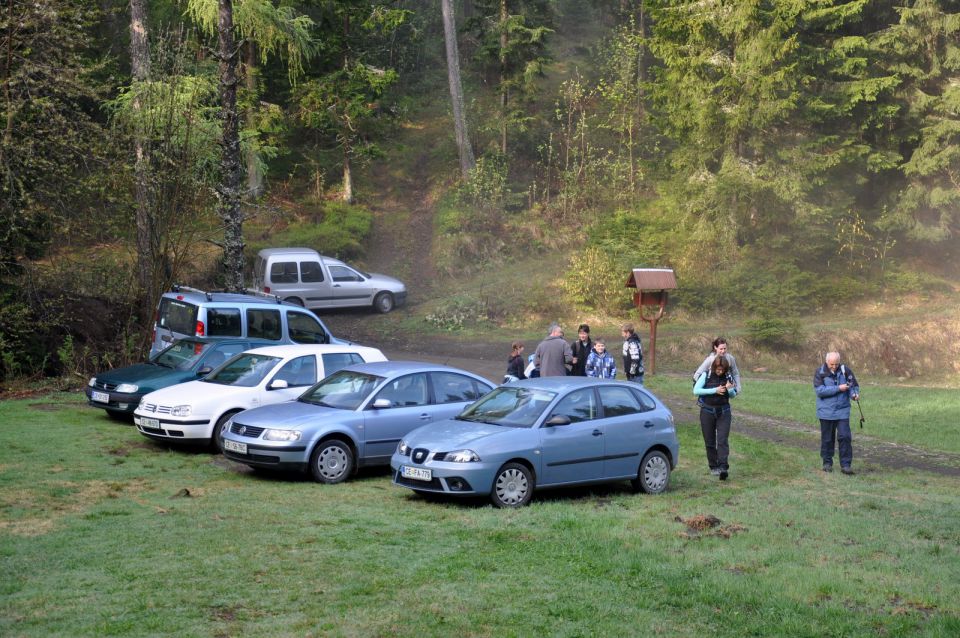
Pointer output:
x,y
926,418
99,537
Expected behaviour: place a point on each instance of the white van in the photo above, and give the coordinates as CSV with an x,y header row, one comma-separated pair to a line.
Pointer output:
x,y
305,277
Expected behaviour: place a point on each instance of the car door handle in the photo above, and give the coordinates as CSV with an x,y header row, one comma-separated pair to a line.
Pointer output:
x,y
336,285
648,424
597,433
424,417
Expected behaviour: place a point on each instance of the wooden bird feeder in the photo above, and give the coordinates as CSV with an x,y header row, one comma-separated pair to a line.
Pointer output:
x,y
652,285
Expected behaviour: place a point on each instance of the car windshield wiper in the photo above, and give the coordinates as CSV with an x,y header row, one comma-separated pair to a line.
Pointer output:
x,y
475,419
319,402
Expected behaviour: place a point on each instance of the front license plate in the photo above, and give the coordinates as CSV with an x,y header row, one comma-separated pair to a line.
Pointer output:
x,y
147,422
416,473
102,397
233,446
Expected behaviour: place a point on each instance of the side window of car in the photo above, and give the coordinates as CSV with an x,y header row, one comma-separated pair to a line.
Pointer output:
x,y
303,328
618,401
299,371
223,322
449,387
646,402
405,391
283,272
580,405
263,324
220,353
342,273
338,361
310,272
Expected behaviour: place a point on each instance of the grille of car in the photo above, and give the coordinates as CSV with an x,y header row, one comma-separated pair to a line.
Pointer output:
x,y
100,385
433,484
159,409
420,455
251,431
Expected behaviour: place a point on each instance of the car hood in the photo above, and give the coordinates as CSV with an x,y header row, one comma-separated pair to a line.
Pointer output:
x,y
145,374
290,415
384,280
453,434
199,394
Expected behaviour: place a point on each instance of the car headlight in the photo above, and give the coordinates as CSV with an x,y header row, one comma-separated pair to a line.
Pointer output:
x,y
403,449
180,410
127,388
281,435
92,382
461,456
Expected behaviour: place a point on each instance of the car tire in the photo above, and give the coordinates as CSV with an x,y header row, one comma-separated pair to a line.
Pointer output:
x,y
383,302
331,461
512,486
216,441
297,301
653,477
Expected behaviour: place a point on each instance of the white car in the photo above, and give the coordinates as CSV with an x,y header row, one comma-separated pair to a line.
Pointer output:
x,y
194,412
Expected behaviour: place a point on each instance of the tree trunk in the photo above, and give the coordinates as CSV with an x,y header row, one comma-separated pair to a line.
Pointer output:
x,y
347,176
467,161
230,162
503,77
146,232
254,175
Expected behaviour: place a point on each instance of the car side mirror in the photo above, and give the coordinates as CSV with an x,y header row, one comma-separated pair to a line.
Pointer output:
x,y
382,403
558,419
279,384
204,371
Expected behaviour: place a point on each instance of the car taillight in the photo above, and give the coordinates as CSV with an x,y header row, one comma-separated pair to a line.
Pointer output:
x,y
179,297
266,289
199,328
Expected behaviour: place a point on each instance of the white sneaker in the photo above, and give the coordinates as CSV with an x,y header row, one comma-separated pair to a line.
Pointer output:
x,y
715,471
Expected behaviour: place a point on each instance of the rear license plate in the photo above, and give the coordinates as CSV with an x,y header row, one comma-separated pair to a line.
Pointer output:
x,y
102,397
147,422
233,446
416,473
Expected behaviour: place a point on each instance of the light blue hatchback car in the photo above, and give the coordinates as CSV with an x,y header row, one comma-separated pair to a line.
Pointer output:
x,y
539,433
353,418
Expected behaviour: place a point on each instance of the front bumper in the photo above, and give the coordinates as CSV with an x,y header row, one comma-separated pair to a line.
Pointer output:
x,y
456,479
278,457
187,430
119,401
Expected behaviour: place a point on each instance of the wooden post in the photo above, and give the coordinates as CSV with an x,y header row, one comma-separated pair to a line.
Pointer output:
x,y
652,298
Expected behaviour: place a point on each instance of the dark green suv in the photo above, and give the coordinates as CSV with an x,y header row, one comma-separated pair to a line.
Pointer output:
x,y
119,391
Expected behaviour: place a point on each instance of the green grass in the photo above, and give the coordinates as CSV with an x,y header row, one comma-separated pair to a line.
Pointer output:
x,y
94,541
927,418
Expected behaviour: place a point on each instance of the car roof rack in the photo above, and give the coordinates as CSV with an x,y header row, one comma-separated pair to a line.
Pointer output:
x,y
260,293
182,288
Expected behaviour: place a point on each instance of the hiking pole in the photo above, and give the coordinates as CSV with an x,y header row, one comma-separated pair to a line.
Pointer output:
x,y
861,412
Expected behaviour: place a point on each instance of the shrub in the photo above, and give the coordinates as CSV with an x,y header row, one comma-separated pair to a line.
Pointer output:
x,y
458,313
593,280
775,333
342,232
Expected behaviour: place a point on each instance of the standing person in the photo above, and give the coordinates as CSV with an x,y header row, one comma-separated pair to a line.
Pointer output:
x,y
714,389
581,349
515,363
720,348
835,384
632,354
553,355
601,363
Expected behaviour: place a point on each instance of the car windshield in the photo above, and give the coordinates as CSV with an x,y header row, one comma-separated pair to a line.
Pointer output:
x,y
344,390
511,407
182,354
245,370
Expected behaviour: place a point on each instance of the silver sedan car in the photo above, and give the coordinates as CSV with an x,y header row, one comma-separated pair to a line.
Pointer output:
x,y
353,418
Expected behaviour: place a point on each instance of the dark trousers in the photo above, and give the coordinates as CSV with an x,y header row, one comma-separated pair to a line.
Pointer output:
x,y
836,430
715,425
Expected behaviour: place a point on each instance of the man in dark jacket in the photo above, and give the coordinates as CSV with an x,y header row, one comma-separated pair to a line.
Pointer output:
x,y
835,385
632,353
581,349
553,355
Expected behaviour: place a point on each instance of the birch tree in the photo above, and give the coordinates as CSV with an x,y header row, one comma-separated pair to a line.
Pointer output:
x,y
467,161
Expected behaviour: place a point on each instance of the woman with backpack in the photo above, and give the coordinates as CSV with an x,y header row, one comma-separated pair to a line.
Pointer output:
x,y
515,363
714,389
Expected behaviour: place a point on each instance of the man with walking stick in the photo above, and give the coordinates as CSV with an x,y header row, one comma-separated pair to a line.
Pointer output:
x,y
835,385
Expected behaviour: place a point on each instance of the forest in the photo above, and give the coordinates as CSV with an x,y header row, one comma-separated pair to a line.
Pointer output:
x,y
785,157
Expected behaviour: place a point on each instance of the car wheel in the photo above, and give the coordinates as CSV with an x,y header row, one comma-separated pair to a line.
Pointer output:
x,y
297,301
383,302
513,486
331,461
216,439
654,474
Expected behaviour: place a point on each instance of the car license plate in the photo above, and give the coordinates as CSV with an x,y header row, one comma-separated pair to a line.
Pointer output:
x,y
147,422
233,446
102,397
416,473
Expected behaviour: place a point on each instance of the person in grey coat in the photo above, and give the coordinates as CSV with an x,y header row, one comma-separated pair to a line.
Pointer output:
x,y
553,355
